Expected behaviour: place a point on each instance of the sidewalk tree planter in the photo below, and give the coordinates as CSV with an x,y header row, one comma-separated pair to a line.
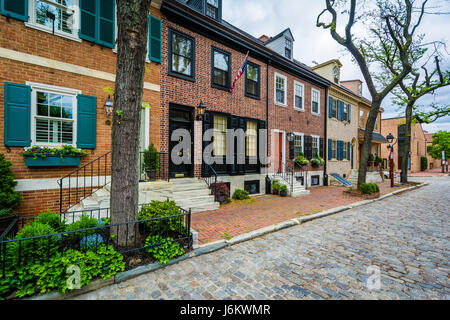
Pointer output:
x,y
64,156
151,162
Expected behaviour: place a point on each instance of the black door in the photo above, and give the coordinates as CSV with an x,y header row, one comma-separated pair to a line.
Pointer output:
x,y
180,118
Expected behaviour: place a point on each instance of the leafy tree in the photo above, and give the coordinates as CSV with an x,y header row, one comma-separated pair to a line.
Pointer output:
x,y
9,199
132,36
391,26
441,142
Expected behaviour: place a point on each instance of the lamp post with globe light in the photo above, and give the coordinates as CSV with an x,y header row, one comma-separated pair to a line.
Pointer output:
x,y
390,139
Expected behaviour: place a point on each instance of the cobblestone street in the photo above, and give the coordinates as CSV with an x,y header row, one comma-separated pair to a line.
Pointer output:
x,y
407,236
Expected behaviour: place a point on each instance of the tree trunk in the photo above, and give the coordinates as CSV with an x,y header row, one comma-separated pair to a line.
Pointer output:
x,y
407,144
367,143
132,20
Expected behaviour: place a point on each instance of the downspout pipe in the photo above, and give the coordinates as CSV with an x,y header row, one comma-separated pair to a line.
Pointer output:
x,y
325,139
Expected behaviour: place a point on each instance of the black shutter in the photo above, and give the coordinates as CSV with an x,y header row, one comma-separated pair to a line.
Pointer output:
x,y
308,147
321,148
261,125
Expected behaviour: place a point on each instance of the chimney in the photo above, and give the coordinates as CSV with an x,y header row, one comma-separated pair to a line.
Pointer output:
x,y
263,38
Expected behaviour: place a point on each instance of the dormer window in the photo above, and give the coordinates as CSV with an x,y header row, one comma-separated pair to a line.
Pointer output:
x,y
288,48
360,89
212,9
336,74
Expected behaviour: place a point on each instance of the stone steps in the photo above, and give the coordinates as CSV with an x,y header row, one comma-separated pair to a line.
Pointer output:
x,y
297,190
188,193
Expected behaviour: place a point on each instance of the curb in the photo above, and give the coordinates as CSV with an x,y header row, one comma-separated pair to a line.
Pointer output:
x,y
211,247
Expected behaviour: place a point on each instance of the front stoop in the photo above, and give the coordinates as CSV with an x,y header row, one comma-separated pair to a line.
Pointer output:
x,y
188,193
298,189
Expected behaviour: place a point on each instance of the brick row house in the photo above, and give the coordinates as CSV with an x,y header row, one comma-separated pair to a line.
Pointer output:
x,y
56,59
201,55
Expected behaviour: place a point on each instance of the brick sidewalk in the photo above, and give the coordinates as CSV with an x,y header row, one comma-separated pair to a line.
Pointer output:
x,y
260,211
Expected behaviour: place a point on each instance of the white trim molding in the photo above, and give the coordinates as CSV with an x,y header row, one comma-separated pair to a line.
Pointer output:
x,y
275,89
67,67
318,107
298,83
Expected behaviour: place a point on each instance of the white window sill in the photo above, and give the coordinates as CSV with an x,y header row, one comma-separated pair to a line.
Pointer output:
x,y
57,33
315,114
280,104
299,110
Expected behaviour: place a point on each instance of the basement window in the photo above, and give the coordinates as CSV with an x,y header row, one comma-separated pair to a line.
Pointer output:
x,y
252,187
315,180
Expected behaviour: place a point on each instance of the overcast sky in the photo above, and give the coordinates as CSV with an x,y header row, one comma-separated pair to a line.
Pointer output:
x,y
270,17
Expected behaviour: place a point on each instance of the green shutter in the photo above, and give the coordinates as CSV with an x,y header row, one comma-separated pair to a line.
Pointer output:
x,y
106,13
88,20
154,39
17,9
17,115
87,121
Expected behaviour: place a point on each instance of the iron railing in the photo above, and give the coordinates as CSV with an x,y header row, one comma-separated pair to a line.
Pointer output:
x,y
16,252
299,172
155,168
211,179
82,182
287,175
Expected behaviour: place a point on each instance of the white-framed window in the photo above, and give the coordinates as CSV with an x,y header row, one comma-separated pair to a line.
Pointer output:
x,y
66,15
280,89
345,112
345,151
53,115
334,149
220,136
298,144
299,96
315,146
315,101
251,146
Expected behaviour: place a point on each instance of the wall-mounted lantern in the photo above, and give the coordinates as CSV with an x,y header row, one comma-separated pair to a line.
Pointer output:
x,y
201,108
290,136
109,106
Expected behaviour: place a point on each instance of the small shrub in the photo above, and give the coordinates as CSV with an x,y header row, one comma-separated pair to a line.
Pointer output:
x,y
369,188
283,188
301,160
163,249
85,222
54,220
240,194
159,209
423,163
275,186
151,158
371,158
221,190
91,242
9,199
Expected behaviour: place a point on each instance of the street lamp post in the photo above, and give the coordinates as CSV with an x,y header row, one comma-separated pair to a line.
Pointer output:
x,y
390,139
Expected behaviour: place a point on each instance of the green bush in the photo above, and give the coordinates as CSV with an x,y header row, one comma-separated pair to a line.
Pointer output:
x,y
32,250
371,158
275,185
54,220
151,158
9,199
55,273
85,222
157,209
284,188
163,249
240,194
369,188
423,163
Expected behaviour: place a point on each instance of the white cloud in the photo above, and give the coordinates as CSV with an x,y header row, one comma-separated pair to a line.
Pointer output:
x,y
269,17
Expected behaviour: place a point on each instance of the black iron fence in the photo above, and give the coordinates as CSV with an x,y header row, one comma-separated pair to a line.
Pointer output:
x,y
287,175
126,237
300,174
153,166
211,179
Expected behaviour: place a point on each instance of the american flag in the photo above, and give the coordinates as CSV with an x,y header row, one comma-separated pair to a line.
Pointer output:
x,y
240,72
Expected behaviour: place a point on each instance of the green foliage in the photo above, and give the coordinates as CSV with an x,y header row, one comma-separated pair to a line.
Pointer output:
x,y
91,242
9,199
54,220
151,158
85,222
371,158
369,188
163,249
53,274
275,185
379,159
157,209
240,194
283,188
441,142
317,161
43,152
423,163
301,159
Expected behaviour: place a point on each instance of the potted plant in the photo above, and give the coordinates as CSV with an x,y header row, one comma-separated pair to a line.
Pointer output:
x,y
379,160
370,160
151,162
301,160
65,155
317,161
283,190
275,186
9,199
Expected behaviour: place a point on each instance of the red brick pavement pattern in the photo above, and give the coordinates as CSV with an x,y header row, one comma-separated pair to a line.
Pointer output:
x,y
436,172
260,211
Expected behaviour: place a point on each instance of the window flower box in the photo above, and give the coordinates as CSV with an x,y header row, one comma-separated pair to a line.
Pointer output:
x,y
52,161
64,156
